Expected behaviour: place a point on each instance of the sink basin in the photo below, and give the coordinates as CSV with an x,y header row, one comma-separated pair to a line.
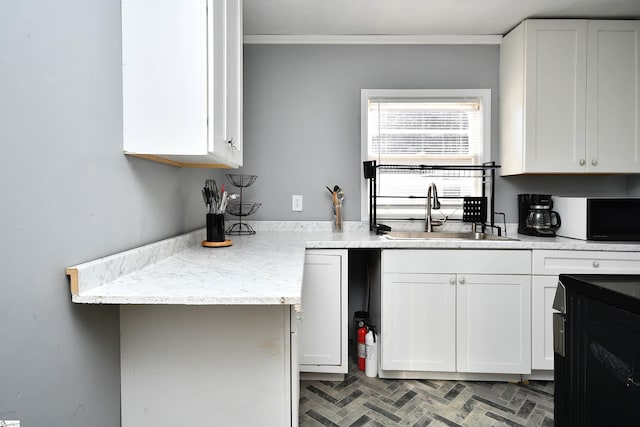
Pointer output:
x,y
443,235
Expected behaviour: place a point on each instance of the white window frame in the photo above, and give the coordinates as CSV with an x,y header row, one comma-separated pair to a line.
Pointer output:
x,y
484,95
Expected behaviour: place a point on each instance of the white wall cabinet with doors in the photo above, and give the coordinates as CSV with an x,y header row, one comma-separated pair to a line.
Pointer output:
x,y
182,81
546,266
322,332
570,97
455,311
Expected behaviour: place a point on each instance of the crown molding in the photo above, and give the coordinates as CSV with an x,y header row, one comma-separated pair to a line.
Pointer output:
x,y
373,39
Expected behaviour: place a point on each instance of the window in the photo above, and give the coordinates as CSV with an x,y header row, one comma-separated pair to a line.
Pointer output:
x,y
430,127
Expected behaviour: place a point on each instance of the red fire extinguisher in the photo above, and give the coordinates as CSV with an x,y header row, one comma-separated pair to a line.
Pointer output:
x,y
362,349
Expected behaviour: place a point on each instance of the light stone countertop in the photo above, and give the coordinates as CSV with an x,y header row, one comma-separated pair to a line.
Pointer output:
x,y
261,269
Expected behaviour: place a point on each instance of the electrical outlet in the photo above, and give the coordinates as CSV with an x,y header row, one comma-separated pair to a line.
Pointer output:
x,y
296,203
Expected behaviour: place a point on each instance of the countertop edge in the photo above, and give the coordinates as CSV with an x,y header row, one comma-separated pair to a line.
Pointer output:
x,y
156,300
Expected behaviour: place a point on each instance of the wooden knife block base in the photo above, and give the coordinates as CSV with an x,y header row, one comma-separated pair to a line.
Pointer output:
x,y
208,244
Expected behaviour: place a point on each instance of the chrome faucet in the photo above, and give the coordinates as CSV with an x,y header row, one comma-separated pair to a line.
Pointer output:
x,y
431,192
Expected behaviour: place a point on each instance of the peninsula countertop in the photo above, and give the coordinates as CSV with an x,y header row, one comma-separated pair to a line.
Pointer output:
x,y
261,269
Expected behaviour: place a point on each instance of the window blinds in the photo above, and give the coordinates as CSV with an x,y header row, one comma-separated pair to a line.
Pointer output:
x,y
424,131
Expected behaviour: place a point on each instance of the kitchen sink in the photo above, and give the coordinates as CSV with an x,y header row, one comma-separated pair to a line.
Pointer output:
x,y
443,235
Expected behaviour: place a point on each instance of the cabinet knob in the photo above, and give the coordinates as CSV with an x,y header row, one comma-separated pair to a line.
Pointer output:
x,y
594,162
596,264
582,162
232,144
461,280
452,281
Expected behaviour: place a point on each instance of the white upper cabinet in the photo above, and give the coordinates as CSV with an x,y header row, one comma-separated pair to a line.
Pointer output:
x,y
613,96
569,97
182,81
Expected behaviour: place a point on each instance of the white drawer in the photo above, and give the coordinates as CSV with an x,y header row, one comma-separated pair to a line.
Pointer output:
x,y
456,261
579,262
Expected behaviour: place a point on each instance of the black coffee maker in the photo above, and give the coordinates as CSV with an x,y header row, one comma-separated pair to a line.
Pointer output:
x,y
535,217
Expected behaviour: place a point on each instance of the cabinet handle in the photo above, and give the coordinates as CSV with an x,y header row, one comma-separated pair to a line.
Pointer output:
x,y
452,281
232,144
594,162
596,264
461,280
582,162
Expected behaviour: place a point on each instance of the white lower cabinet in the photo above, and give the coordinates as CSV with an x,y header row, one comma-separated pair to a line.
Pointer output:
x,y
543,290
322,331
546,266
463,311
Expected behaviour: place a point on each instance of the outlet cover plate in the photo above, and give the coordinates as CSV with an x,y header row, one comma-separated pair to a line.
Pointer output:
x,y
296,203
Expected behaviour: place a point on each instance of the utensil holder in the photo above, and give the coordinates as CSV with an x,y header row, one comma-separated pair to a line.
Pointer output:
x,y
474,209
215,228
337,216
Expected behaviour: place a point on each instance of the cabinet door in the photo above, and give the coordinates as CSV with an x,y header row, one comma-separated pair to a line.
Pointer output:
x,y
225,71
554,87
164,77
418,319
234,110
494,324
320,332
613,96
543,290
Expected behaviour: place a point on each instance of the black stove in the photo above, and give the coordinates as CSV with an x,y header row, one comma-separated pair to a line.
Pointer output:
x,y
597,350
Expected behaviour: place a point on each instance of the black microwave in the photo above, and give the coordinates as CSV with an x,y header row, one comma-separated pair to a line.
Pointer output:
x,y
599,218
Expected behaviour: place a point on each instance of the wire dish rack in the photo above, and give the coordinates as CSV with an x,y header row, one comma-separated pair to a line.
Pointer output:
x,y
240,208
475,209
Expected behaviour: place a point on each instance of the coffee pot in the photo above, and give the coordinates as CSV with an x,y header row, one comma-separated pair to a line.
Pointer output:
x,y
543,219
536,217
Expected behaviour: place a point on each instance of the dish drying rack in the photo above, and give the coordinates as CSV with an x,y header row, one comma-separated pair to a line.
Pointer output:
x,y
474,208
240,208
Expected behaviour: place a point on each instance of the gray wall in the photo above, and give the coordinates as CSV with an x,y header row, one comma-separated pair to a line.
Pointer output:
x,y
302,121
69,195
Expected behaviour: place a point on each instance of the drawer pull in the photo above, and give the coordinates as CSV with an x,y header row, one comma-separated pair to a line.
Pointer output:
x,y
596,264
